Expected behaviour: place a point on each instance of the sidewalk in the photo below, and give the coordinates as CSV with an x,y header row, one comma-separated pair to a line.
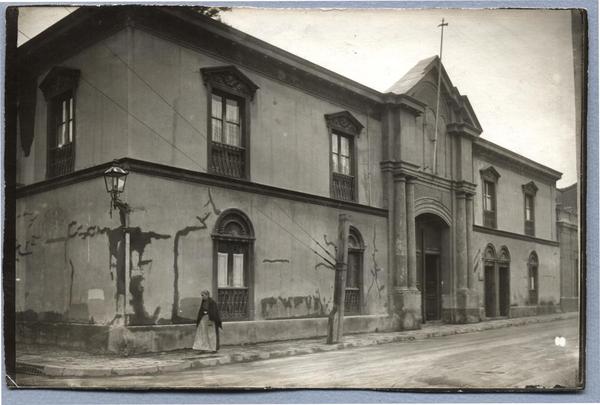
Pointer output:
x,y
58,362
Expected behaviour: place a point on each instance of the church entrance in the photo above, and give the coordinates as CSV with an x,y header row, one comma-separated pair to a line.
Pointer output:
x,y
431,234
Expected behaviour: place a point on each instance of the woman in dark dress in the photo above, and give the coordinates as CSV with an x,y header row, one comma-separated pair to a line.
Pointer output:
x,y
207,325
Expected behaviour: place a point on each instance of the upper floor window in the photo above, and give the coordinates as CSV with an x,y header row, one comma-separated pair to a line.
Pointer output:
x,y
489,178
226,120
343,131
529,191
230,93
59,90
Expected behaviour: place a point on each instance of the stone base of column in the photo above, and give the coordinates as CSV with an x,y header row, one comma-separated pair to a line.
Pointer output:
x,y
407,304
466,310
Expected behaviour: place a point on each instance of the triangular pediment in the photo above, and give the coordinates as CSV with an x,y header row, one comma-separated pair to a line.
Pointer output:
x,y
345,122
490,174
230,79
530,188
425,73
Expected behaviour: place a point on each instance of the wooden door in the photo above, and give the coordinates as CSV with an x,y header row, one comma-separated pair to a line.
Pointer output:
x,y
504,291
432,288
490,292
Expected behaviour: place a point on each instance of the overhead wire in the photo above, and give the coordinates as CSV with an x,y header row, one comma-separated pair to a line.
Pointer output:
x,y
139,120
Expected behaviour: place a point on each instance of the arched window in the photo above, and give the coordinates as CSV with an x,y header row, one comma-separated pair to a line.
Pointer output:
x,y
532,266
354,274
490,253
233,240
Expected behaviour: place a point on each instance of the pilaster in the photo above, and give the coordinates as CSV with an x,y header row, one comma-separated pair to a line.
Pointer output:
x,y
411,233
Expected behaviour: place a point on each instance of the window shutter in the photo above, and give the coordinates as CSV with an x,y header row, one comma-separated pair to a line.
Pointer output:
x,y
238,270
222,269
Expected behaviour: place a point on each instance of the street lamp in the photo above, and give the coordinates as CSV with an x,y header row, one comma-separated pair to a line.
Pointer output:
x,y
114,179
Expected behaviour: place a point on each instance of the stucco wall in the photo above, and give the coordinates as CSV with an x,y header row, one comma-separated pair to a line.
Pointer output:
x,y
289,140
418,133
67,250
66,254
101,120
510,204
288,281
158,113
548,268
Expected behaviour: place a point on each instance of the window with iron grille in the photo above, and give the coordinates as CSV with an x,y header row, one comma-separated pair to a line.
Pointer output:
x,y
230,93
344,130
354,276
234,241
59,90
342,167
227,147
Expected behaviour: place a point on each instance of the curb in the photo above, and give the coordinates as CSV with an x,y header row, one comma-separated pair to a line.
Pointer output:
x,y
245,357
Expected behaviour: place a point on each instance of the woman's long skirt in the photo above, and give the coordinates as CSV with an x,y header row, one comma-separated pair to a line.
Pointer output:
x,y
206,336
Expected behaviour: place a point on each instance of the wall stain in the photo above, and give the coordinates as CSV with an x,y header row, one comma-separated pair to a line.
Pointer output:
x,y
175,318
210,202
71,285
276,261
375,270
313,305
140,316
138,241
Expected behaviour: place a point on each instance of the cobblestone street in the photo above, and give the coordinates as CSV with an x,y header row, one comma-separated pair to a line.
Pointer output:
x,y
513,357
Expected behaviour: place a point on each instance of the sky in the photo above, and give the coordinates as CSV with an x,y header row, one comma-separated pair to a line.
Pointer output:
x,y
515,66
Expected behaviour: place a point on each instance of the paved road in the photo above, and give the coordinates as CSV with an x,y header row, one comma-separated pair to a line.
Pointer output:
x,y
513,357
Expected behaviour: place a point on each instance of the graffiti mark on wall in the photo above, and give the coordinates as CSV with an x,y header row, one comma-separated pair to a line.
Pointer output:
x,y
376,269
296,306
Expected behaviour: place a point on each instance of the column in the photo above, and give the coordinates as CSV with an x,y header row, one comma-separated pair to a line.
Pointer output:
x,y
411,236
461,242
469,213
400,230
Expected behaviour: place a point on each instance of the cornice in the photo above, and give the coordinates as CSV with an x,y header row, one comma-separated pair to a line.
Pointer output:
x,y
505,157
163,171
512,235
89,25
463,129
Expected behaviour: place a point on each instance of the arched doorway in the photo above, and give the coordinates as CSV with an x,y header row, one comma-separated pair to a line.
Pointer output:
x,y
233,241
496,282
432,258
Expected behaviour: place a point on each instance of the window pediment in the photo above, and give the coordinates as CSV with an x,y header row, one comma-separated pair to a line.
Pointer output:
x,y
344,122
530,188
490,174
59,80
229,79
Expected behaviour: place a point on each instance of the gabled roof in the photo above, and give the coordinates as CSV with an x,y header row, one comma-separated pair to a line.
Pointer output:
x,y
407,84
413,76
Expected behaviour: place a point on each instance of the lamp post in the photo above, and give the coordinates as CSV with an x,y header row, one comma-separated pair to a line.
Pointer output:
x,y
114,179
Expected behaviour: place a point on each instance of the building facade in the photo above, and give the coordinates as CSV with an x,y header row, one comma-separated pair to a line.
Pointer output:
x,y
241,159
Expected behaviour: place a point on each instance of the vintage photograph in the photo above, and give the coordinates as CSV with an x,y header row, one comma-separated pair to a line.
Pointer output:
x,y
233,198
